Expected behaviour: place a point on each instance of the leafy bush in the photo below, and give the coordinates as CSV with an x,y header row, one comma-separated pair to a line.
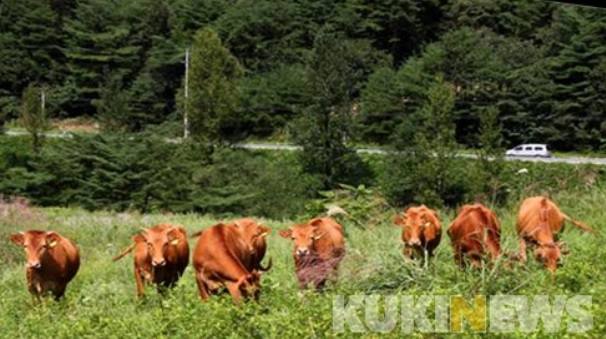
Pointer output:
x,y
359,205
146,173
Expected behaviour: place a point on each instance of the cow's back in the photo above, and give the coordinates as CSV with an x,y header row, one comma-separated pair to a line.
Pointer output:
x,y
221,248
332,242
433,233
180,255
68,258
471,222
537,211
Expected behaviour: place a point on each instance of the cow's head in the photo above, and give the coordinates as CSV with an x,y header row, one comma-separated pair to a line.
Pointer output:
x,y
549,254
304,237
250,285
415,224
253,232
37,245
159,242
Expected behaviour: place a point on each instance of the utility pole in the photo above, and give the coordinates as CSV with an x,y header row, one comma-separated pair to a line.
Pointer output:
x,y
186,95
42,102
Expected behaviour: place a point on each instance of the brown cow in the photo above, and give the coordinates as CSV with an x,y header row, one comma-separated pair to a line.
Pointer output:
x,y
538,224
225,257
161,256
421,231
52,261
319,247
474,233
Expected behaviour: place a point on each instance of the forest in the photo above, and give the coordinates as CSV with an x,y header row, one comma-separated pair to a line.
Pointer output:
x,y
422,78
258,68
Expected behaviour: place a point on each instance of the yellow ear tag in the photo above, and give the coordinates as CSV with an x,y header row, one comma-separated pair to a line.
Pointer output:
x,y
174,242
316,237
427,224
52,244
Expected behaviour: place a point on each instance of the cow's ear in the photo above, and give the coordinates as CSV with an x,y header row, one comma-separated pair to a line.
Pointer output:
x,y
143,233
398,219
52,239
172,236
315,222
286,233
137,238
17,238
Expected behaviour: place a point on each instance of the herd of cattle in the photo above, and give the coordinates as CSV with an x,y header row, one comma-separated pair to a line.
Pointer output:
x,y
229,255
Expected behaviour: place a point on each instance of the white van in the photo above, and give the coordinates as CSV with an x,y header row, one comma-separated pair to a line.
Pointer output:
x,y
529,150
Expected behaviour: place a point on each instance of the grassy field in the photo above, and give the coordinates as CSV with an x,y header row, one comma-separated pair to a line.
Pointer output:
x,y
101,301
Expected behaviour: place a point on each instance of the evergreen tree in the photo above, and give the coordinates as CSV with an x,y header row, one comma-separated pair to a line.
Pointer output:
x,y
33,114
99,40
29,49
213,96
491,155
112,105
325,126
576,38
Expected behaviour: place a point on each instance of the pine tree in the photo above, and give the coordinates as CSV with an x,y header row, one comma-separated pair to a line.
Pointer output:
x,y
213,97
99,40
491,154
113,105
33,114
325,126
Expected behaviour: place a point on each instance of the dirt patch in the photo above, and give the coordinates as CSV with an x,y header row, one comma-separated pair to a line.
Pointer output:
x,y
81,125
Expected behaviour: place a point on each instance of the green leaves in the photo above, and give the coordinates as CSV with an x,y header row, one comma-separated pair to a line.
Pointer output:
x,y
326,124
213,93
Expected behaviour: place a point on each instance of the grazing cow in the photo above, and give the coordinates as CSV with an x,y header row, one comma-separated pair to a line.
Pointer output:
x,y
421,231
161,256
319,247
474,233
52,261
539,223
229,255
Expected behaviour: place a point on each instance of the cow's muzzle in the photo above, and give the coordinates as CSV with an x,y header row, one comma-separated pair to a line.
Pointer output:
x,y
34,265
302,251
159,263
414,242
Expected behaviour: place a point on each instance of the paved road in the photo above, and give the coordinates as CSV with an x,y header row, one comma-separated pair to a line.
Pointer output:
x,y
569,160
278,147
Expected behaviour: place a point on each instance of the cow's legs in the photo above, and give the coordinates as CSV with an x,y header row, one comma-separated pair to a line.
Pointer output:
x,y
59,292
458,256
202,288
234,290
139,283
522,254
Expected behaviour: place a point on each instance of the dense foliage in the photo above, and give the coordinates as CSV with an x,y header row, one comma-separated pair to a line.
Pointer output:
x,y
145,173
542,64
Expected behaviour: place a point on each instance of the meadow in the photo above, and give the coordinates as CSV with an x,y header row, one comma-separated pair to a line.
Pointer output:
x,y
101,300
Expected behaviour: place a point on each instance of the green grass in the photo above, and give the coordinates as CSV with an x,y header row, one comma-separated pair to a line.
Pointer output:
x,y
101,302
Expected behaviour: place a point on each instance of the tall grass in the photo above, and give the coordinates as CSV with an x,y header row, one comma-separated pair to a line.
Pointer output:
x,y
101,300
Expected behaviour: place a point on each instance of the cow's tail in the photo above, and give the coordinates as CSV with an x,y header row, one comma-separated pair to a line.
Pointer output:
x,y
197,234
125,252
266,268
580,225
